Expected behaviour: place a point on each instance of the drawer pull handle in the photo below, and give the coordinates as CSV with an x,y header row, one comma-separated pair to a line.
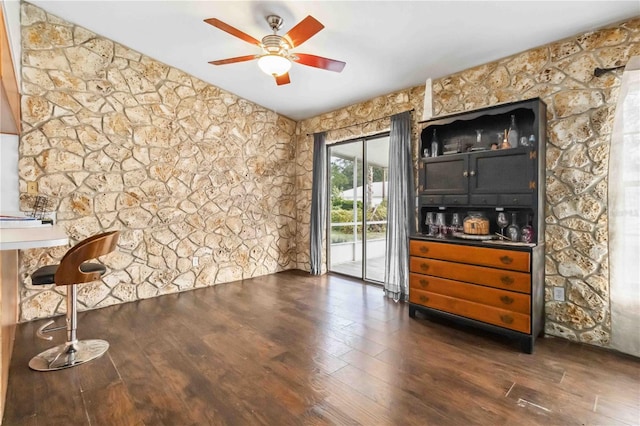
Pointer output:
x,y
424,283
424,249
507,319
506,300
424,298
506,260
424,266
506,279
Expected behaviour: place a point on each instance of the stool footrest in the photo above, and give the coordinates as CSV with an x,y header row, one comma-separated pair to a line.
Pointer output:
x,y
68,355
40,331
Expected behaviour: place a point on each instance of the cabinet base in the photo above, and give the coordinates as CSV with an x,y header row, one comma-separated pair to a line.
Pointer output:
x,y
526,340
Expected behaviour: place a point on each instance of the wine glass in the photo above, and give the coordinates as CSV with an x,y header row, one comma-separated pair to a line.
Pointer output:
x,y
429,223
502,222
440,224
456,226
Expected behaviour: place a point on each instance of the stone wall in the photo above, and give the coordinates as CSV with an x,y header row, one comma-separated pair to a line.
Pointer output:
x,y
579,122
117,140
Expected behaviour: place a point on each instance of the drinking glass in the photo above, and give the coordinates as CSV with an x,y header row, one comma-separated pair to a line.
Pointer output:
x,y
440,225
502,222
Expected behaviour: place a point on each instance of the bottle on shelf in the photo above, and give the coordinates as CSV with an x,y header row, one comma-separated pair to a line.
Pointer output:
x,y
513,230
435,145
527,233
505,140
513,135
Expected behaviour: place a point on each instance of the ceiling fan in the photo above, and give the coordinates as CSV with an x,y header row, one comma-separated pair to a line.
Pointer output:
x,y
276,56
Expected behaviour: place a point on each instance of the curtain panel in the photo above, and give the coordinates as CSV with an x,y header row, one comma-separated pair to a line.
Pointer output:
x,y
400,209
318,203
624,214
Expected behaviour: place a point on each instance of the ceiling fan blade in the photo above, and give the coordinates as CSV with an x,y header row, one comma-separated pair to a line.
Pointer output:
x,y
302,32
231,30
319,62
233,60
283,79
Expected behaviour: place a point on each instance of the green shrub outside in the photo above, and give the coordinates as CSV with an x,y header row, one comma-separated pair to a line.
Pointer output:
x,y
342,211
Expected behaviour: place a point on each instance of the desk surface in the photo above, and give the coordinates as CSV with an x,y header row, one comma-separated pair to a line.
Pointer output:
x,y
27,238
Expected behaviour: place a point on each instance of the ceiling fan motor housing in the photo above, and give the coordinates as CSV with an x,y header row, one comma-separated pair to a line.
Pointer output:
x,y
274,43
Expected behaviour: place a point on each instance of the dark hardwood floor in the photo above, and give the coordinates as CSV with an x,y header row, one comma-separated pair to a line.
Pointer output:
x,y
292,349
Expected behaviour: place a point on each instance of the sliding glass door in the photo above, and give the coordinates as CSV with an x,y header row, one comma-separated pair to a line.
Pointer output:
x,y
358,207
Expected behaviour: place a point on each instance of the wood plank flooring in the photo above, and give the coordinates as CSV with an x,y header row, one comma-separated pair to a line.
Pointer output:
x,y
292,349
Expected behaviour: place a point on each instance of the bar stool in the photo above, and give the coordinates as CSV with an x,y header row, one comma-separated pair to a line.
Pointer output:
x,y
72,271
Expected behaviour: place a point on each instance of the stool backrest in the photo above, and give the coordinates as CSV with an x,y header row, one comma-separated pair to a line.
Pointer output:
x,y
69,272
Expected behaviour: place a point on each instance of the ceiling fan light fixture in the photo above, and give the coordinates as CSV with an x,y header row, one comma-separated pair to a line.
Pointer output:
x,y
274,65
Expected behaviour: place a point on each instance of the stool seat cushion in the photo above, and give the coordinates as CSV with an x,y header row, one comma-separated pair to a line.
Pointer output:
x,y
46,274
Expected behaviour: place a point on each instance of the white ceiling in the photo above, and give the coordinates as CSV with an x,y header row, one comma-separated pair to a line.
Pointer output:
x,y
387,45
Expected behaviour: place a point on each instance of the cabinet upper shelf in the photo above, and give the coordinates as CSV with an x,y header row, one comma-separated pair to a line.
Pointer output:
x,y
480,129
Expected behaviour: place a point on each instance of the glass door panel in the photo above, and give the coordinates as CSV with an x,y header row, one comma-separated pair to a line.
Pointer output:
x,y
377,192
358,213
346,201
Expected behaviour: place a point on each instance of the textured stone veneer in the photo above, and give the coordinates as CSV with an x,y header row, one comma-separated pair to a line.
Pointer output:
x,y
182,168
580,117
120,141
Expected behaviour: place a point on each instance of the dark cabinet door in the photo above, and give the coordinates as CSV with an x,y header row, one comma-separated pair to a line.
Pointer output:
x,y
445,175
502,172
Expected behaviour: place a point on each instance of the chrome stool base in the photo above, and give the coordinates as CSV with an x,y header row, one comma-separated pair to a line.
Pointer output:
x,y
68,355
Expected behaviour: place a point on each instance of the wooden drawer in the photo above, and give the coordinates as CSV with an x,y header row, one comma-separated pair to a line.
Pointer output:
x,y
497,258
430,200
484,200
454,200
516,200
498,278
477,311
508,300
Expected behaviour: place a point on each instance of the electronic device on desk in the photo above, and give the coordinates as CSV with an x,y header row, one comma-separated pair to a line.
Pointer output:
x,y
37,217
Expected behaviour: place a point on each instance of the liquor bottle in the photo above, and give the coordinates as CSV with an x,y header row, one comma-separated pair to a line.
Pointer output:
x,y
527,232
514,134
435,145
513,230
